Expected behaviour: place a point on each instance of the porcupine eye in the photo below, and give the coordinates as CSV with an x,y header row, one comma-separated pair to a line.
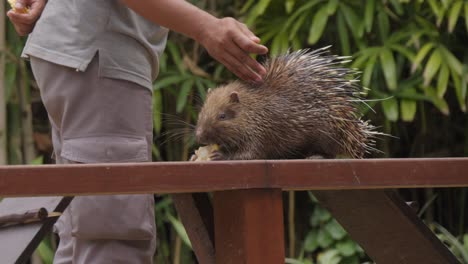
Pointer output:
x,y
222,116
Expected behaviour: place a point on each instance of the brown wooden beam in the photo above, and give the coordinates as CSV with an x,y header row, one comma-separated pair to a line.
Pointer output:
x,y
180,177
249,226
196,213
385,226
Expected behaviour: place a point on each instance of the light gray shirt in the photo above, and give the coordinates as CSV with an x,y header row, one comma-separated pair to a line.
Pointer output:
x,y
71,32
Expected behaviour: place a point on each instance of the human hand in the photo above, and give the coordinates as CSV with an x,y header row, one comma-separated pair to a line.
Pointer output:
x,y
24,22
230,42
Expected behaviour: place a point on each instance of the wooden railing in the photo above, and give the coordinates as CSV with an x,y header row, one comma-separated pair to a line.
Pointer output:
x,y
357,192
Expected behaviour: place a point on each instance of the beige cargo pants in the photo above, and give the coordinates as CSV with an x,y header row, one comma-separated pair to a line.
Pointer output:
x,y
100,120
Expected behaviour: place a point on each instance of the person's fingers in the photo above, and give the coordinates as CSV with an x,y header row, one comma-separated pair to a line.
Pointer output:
x,y
248,45
240,55
20,4
21,27
238,68
249,33
36,8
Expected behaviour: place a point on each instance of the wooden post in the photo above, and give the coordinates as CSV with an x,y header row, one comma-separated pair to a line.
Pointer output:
x,y
249,226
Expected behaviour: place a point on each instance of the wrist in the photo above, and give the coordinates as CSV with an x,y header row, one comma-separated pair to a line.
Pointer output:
x,y
203,29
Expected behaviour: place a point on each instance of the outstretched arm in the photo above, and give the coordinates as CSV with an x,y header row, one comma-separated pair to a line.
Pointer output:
x,y
24,22
227,40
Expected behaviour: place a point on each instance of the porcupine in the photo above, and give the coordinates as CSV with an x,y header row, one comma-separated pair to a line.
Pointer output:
x,y
306,106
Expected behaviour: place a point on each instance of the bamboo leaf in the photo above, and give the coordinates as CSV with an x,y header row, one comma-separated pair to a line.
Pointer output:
x,y
437,10
466,15
460,87
352,20
318,25
390,109
432,66
310,242
451,60
297,25
403,50
439,103
169,80
442,81
408,109
368,70
421,55
397,6
332,6
201,89
343,34
369,15
180,230
289,5
384,25
183,95
454,15
175,55
389,68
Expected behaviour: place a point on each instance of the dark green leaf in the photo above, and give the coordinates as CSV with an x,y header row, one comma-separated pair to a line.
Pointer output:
x,y
384,25
351,18
332,6
421,55
343,34
454,15
324,239
397,6
169,80
442,81
183,95
389,68
311,242
466,15
289,5
318,25
368,71
175,55
450,59
346,247
432,66
335,230
369,14
440,103
390,108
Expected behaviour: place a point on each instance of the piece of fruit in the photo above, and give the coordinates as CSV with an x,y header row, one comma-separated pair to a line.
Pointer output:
x,y
204,153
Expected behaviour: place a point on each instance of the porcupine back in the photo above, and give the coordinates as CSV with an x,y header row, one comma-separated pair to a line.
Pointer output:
x,y
306,106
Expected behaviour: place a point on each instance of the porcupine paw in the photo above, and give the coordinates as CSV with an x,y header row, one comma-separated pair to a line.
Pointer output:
x,y
316,157
217,155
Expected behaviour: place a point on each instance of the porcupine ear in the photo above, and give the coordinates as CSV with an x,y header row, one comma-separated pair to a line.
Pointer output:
x,y
234,97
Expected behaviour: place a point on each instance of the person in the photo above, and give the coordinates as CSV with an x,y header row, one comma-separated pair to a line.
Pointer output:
x,y
94,63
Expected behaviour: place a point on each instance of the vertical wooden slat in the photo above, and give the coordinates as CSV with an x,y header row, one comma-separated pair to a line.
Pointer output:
x,y
385,226
196,213
249,226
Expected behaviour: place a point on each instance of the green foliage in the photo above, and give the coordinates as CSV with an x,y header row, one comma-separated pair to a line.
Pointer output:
x,y
393,43
327,242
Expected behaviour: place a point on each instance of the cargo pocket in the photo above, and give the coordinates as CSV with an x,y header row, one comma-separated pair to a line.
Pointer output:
x,y
101,149
118,217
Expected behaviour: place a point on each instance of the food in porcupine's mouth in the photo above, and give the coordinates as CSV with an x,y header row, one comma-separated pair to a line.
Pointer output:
x,y
13,4
204,153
